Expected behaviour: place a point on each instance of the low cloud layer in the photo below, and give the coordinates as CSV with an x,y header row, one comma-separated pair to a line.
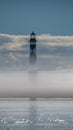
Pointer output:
x,y
16,41
53,52
56,40
12,42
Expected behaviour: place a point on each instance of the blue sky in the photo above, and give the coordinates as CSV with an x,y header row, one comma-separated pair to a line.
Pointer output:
x,y
42,16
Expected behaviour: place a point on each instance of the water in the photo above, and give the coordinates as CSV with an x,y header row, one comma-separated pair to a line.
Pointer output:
x,y
40,114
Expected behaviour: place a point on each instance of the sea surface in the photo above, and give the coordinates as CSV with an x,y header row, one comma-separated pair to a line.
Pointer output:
x,y
36,114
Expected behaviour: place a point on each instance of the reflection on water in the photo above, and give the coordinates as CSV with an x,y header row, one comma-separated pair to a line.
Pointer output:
x,y
53,114
33,115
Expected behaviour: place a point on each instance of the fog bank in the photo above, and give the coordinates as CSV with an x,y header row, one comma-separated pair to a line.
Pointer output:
x,y
36,84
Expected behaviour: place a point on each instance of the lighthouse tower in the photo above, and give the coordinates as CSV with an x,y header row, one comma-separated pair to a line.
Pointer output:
x,y
32,42
33,55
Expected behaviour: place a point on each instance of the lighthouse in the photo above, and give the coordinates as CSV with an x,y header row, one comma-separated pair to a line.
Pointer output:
x,y
33,52
32,42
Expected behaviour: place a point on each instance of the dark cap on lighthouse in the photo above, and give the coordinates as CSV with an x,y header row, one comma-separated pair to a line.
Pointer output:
x,y
32,41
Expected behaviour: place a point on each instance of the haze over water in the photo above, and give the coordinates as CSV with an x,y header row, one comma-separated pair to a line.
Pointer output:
x,y
48,73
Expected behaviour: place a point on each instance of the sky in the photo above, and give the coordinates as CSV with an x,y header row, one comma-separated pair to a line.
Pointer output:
x,y
53,17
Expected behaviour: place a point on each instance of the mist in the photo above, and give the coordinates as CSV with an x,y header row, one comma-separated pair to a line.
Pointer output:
x,y
37,84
